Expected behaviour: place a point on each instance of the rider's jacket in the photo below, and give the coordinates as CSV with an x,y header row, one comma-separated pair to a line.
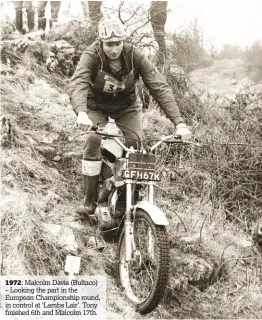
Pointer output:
x,y
94,84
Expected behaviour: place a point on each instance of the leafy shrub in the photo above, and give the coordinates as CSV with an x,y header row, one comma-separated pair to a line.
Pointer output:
x,y
187,50
231,153
253,57
230,52
6,28
229,158
76,32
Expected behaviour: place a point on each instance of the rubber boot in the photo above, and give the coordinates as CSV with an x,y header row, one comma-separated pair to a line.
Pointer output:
x,y
41,23
90,192
19,20
31,20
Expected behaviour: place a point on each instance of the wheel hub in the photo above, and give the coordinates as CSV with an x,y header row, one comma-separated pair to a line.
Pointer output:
x,y
136,260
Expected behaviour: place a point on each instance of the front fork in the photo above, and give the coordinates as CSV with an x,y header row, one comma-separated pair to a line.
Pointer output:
x,y
130,246
129,239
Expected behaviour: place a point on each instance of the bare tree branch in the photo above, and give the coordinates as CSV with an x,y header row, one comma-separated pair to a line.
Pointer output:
x,y
140,27
133,14
119,11
137,21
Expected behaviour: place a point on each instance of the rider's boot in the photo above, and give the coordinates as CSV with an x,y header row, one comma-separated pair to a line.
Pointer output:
x,y
91,171
19,20
30,19
41,23
90,192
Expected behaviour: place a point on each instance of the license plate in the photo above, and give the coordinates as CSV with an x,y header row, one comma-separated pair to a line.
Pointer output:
x,y
141,162
137,174
141,167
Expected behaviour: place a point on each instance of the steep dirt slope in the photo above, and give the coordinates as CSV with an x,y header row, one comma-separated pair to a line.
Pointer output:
x,y
224,79
41,183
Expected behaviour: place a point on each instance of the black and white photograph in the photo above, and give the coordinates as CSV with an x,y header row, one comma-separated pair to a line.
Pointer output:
x,y
131,160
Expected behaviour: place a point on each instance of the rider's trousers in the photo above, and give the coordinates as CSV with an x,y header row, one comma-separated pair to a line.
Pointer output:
x,y
55,6
19,14
127,118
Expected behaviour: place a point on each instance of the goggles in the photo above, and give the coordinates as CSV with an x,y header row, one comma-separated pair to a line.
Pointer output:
x,y
111,30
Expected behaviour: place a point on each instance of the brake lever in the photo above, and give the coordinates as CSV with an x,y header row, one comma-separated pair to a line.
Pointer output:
x,y
102,132
178,139
173,138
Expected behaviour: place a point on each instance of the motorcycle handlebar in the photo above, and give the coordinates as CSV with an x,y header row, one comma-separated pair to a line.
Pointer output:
x,y
166,139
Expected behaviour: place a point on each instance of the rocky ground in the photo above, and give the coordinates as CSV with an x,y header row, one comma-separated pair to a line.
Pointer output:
x,y
215,265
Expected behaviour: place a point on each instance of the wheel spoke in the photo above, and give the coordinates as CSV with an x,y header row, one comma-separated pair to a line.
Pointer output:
x,y
147,272
145,276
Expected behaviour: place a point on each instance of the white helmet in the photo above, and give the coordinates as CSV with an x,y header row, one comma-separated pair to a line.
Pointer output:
x,y
111,30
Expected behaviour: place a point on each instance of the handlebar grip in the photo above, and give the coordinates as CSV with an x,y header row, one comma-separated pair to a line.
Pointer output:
x,y
174,139
178,137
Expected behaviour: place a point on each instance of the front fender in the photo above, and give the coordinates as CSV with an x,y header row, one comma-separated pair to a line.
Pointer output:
x,y
154,212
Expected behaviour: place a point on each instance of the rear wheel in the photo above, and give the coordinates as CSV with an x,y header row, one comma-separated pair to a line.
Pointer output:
x,y
145,277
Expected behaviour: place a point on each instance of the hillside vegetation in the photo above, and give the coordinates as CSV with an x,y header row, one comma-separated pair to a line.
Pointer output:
x,y
211,193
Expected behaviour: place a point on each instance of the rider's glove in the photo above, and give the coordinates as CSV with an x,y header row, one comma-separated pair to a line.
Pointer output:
x,y
84,122
183,132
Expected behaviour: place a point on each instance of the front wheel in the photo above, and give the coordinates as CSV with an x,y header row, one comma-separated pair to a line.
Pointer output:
x,y
145,277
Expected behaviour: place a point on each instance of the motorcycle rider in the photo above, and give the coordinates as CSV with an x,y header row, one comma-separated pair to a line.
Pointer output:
x,y
104,85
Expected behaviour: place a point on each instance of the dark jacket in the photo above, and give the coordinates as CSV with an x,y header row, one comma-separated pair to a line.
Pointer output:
x,y
84,95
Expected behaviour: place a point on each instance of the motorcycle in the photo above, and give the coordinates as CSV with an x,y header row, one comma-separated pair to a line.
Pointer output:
x,y
126,203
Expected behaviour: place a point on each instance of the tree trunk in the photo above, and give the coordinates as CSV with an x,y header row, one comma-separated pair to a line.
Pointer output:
x,y
95,13
158,15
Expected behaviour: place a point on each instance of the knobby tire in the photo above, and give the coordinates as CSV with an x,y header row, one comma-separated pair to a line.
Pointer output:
x,y
160,264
